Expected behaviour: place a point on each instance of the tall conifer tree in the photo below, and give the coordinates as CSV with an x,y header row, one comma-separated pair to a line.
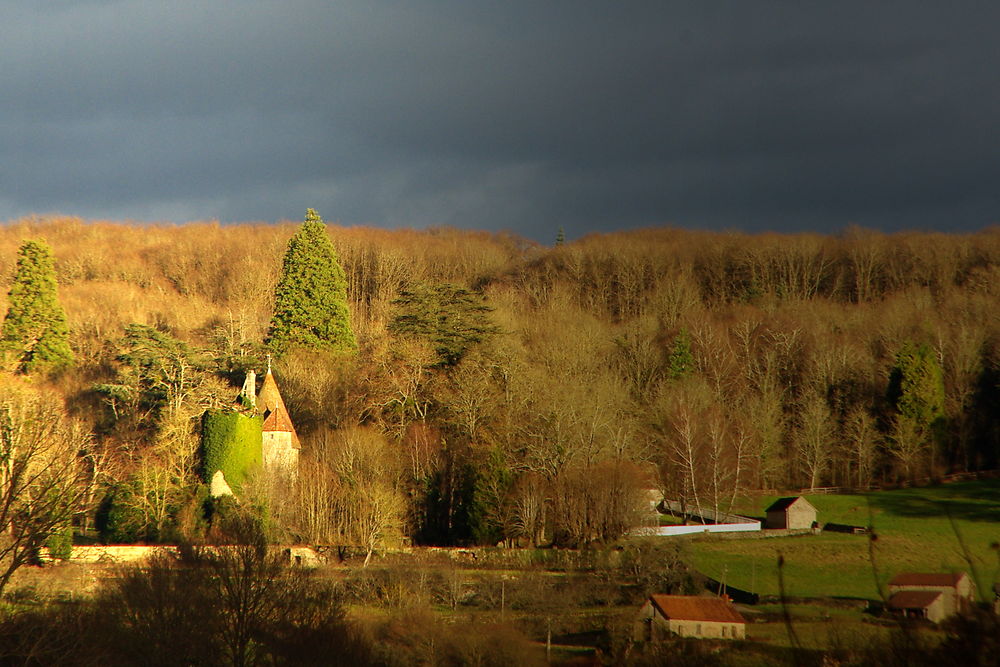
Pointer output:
x,y
310,300
35,334
916,385
681,361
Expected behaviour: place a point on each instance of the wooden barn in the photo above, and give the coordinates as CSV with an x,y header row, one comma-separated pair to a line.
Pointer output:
x,y
793,513
689,616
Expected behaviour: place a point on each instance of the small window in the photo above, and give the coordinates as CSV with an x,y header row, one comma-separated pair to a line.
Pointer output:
x,y
725,630
697,629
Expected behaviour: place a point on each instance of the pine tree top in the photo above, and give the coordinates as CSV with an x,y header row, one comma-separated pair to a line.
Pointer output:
x,y
34,330
310,308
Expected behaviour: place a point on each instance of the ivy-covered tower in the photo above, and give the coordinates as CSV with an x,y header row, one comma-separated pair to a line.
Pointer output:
x,y
255,433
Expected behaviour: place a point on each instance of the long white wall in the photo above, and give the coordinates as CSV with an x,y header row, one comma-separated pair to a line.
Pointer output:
x,y
708,528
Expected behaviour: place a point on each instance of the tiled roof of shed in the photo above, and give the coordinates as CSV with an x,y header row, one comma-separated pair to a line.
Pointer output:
x,y
927,579
913,599
691,608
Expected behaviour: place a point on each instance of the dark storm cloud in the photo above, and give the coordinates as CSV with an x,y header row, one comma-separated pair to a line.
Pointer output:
x,y
524,116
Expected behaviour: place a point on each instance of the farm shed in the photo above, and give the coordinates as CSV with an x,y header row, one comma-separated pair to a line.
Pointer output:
x,y
956,590
689,616
791,514
919,604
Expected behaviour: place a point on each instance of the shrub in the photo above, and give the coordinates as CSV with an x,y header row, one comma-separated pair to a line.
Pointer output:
x,y
60,543
118,519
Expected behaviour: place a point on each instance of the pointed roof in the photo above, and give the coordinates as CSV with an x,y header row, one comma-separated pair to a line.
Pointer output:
x,y
782,504
272,407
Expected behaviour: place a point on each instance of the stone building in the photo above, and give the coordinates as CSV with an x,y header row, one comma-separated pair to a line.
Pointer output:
x,y
689,616
929,605
934,595
280,446
795,513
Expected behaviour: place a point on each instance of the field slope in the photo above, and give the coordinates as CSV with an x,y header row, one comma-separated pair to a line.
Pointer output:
x,y
935,529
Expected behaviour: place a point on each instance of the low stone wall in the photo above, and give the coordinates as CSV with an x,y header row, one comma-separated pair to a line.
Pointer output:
x,y
130,553
124,553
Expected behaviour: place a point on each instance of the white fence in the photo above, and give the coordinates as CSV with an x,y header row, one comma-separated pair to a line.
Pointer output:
x,y
695,529
705,515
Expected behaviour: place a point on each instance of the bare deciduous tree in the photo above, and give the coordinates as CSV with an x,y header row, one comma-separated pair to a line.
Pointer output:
x,y
42,480
814,437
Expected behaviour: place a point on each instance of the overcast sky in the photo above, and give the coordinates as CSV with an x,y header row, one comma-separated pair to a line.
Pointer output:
x,y
524,116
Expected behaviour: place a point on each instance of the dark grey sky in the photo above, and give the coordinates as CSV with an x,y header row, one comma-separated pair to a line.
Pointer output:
x,y
513,115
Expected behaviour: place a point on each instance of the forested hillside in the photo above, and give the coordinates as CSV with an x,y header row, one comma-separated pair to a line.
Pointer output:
x,y
505,391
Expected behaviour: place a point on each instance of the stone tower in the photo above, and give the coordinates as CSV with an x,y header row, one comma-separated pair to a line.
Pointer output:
x,y
280,447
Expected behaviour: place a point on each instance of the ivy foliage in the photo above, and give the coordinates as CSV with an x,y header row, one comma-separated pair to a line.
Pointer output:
x,y
449,317
231,442
34,332
310,299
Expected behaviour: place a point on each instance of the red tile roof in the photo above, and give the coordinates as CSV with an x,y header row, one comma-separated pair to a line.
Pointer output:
x,y
272,407
913,599
937,579
691,608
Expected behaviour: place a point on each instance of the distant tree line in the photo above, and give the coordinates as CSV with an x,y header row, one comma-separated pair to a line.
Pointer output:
x,y
488,390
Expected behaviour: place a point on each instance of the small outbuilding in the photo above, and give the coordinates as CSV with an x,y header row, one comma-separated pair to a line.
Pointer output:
x,y
929,605
941,594
689,616
795,513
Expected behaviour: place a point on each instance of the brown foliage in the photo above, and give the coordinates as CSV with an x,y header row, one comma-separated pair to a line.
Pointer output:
x,y
795,333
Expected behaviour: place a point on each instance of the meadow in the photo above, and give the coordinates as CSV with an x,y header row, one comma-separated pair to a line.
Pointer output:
x,y
953,527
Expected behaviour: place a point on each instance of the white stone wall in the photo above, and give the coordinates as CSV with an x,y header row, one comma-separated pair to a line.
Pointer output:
x,y
278,453
110,553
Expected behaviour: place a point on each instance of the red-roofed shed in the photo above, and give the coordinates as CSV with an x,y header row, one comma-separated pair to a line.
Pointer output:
x,y
690,616
919,604
955,589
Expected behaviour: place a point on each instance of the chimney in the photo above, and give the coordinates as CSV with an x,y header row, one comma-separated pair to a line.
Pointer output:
x,y
250,390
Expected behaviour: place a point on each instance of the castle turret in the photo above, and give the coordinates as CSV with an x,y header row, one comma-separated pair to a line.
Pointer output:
x,y
281,446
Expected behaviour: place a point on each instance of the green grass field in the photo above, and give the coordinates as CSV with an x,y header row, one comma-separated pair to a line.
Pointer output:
x,y
934,529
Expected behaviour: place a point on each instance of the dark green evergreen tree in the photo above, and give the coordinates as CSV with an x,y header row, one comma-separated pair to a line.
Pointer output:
x,y
681,361
916,386
560,237
916,390
448,316
155,372
310,300
35,335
